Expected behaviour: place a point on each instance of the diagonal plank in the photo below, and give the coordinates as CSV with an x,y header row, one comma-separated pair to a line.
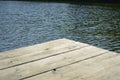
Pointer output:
x,y
35,56
39,48
44,65
103,67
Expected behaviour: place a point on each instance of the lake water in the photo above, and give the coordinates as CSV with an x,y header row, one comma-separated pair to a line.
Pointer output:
x,y
28,23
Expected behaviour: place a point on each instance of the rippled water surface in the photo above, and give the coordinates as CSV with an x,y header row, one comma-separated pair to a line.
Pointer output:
x,y
28,23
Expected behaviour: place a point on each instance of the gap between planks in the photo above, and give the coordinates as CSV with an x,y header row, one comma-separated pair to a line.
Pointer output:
x,y
26,70
62,53
35,56
102,67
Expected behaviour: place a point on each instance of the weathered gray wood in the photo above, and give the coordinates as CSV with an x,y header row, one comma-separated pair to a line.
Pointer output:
x,y
112,73
37,48
47,64
104,67
61,59
32,57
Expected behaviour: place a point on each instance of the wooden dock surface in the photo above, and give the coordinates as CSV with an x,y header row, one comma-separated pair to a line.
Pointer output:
x,y
60,59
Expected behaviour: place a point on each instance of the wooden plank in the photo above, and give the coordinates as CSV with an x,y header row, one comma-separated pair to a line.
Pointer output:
x,y
36,48
30,49
105,67
35,56
50,63
112,73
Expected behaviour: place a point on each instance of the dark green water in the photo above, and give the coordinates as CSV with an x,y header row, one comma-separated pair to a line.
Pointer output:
x,y
28,23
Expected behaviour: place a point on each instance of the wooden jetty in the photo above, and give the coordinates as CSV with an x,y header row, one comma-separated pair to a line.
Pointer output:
x,y
60,59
